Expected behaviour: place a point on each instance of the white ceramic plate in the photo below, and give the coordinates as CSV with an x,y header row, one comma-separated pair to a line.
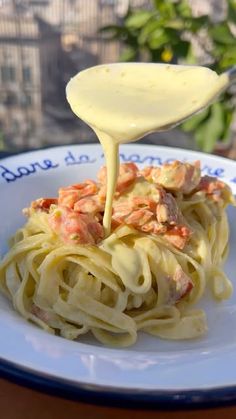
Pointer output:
x,y
153,372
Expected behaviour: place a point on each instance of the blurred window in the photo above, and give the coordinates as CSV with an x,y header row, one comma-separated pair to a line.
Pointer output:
x,y
27,75
31,126
26,100
107,2
15,125
39,2
10,99
8,73
2,98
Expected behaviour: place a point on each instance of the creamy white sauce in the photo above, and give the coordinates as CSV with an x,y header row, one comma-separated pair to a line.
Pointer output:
x,y
123,102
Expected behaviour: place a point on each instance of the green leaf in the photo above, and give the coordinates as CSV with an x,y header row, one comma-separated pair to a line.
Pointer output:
x,y
194,24
166,8
181,48
231,16
110,31
2,142
138,19
228,119
129,54
192,123
158,38
113,32
178,24
155,55
158,3
222,34
109,28
210,131
190,57
218,51
183,8
173,35
228,58
147,29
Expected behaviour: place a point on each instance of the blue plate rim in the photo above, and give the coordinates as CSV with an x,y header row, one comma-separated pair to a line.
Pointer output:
x,y
111,396
118,397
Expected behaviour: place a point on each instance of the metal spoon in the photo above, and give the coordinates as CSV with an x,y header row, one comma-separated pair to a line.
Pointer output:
x,y
129,100
225,80
231,73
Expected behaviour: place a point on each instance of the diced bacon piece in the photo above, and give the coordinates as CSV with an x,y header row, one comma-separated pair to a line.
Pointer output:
x,y
41,314
94,227
215,189
68,197
74,227
102,175
136,212
175,176
144,202
90,205
177,241
43,204
178,236
71,194
148,216
167,209
139,217
180,285
80,207
149,171
154,227
128,172
121,210
102,193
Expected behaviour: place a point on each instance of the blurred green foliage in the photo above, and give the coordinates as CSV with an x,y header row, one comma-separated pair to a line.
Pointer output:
x,y
2,142
164,34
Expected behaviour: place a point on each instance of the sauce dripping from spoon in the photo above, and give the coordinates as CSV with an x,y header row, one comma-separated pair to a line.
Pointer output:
x,y
125,101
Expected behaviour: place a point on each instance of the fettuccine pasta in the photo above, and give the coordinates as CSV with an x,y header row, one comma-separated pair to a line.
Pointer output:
x,y
168,243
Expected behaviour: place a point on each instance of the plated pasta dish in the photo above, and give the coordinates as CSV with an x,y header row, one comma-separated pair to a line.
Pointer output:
x,y
166,247
136,249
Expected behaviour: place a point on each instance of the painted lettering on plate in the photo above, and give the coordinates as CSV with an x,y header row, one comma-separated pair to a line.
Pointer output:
x,y
11,175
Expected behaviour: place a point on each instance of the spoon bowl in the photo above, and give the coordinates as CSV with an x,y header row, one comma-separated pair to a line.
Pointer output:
x,y
129,100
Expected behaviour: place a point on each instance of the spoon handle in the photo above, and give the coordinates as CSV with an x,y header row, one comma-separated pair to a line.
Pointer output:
x,y
231,73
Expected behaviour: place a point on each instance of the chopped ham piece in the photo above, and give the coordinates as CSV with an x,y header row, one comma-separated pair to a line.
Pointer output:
x,y
215,189
74,227
70,195
79,210
43,204
176,176
90,205
167,210
128,172
181,285
154,227
136,212
149,216
41,314
178,236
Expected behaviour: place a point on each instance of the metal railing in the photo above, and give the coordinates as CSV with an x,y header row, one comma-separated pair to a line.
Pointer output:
x,y
42,44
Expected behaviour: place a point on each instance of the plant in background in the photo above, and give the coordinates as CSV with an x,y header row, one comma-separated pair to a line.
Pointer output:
x,y
2,141
169,33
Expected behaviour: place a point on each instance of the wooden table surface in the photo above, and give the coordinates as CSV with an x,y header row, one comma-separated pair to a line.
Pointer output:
x,y
17,402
